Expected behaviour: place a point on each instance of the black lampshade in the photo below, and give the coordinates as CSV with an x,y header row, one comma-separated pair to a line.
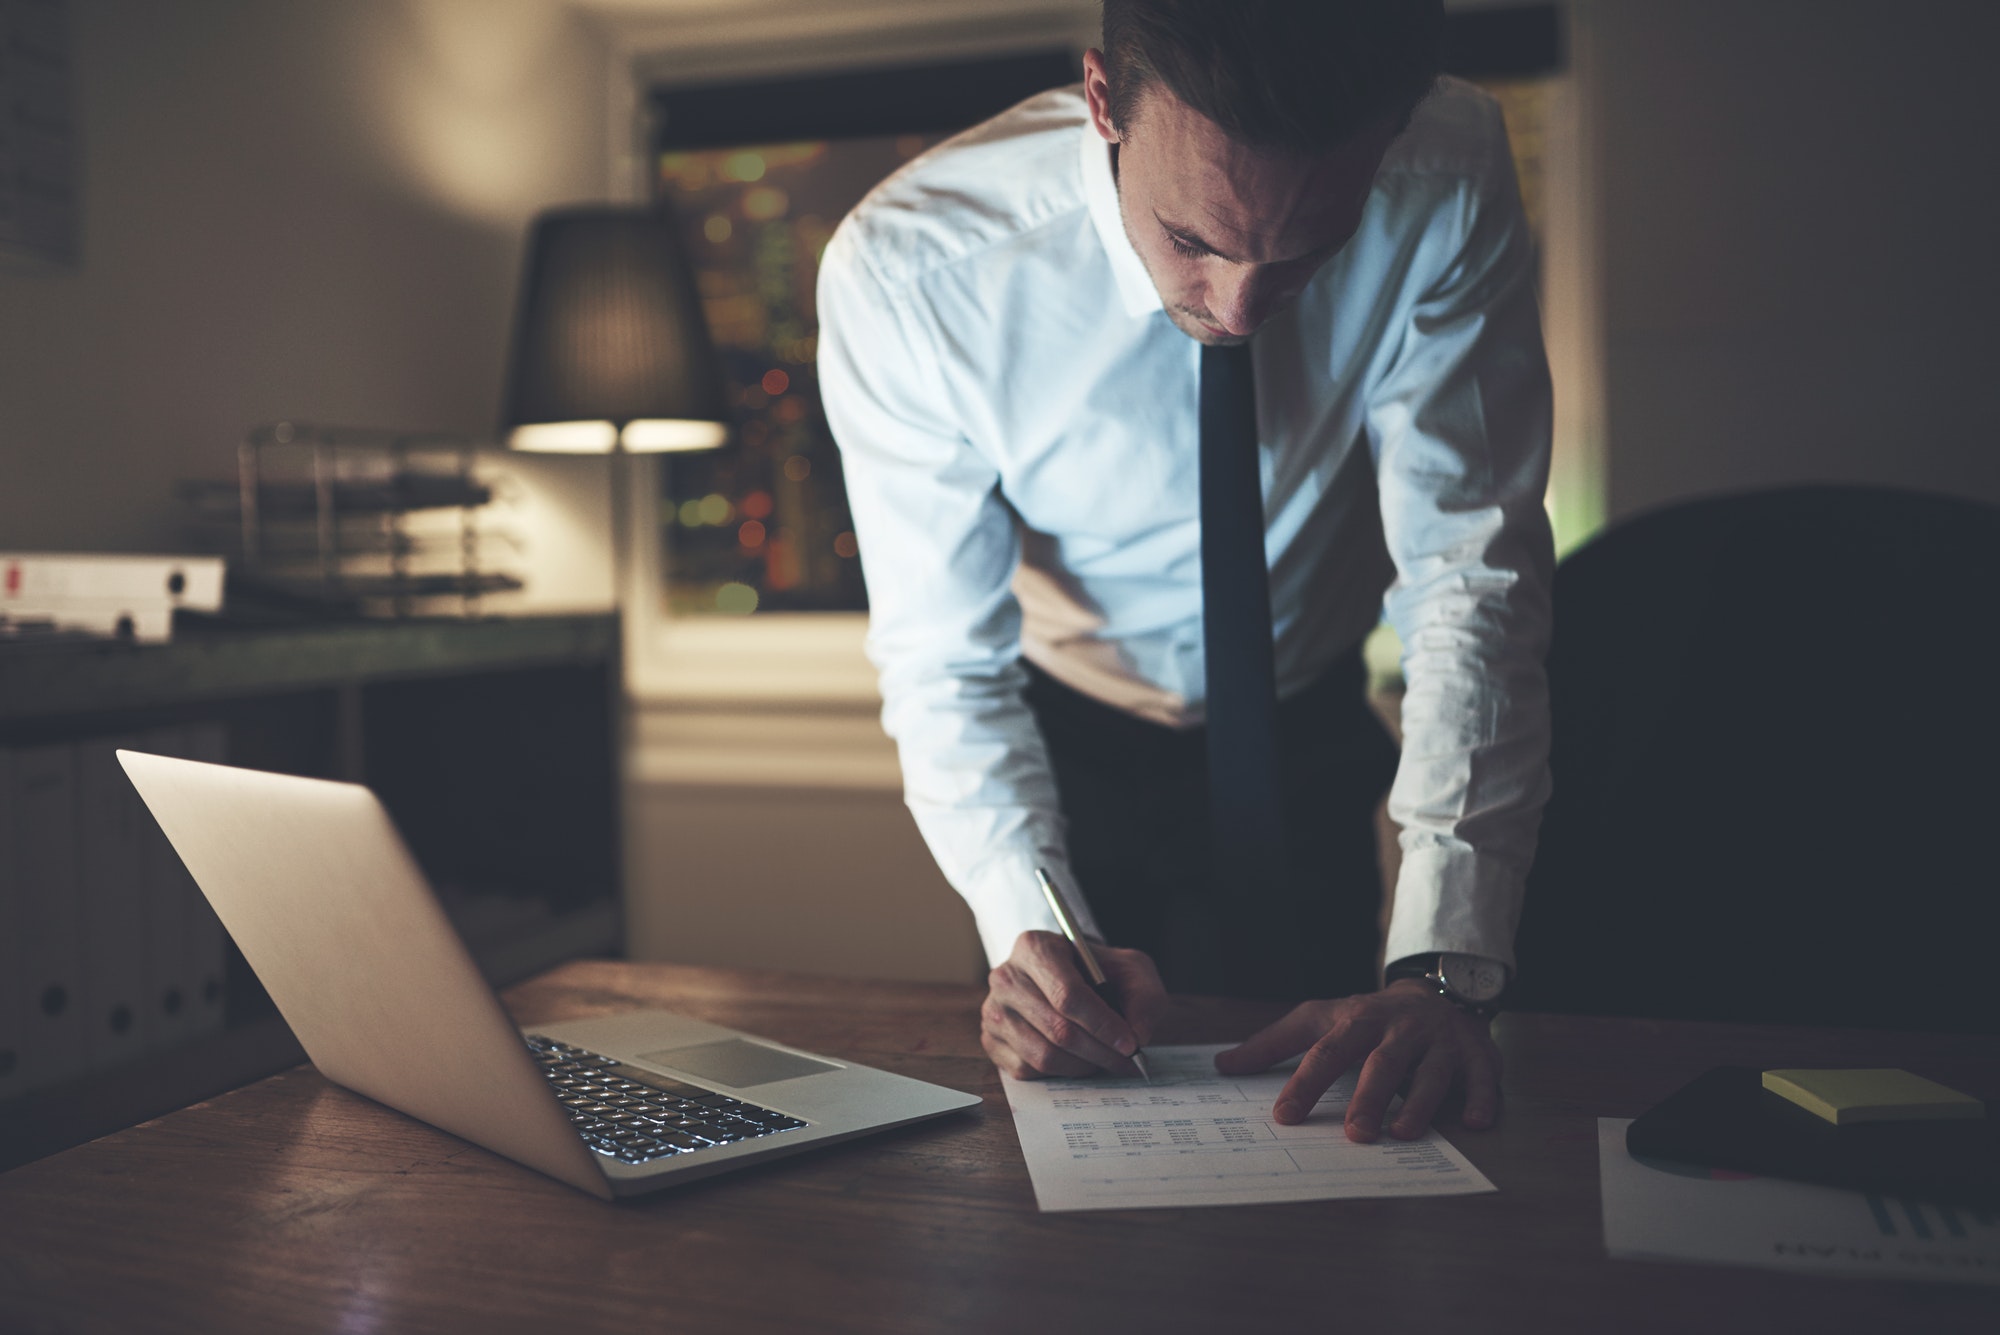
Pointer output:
x,y
609,336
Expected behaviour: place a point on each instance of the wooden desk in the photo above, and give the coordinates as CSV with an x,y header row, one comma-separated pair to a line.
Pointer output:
x,y
294,1205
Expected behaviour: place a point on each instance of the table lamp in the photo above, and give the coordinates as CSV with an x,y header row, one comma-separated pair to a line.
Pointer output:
x,y
610,352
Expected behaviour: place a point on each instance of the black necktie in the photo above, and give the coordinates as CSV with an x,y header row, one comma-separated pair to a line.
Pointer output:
x,y
1247,849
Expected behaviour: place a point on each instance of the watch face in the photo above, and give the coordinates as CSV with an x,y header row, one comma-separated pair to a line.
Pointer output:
x,y
1473,977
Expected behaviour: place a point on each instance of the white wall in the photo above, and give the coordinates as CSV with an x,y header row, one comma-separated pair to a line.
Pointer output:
x,y
1800,268
292,208
816,878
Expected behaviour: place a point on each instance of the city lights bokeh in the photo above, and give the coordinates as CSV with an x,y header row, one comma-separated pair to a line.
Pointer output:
x,y
764,524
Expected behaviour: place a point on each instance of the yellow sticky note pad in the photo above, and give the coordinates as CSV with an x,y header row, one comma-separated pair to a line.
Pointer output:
x,y
1882,1094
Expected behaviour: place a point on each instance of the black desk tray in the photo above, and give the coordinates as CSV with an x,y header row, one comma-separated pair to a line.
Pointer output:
x,y
1727,1119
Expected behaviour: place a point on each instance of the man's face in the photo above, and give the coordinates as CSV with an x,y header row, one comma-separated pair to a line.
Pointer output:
x,y
1229,234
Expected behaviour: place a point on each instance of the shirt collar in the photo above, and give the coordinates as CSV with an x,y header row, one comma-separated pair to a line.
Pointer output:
x,y
1135,285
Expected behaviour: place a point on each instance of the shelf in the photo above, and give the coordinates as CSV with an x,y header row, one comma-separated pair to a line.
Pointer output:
x,y
299,501
38,682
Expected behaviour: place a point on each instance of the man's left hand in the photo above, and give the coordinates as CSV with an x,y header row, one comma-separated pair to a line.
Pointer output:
x,y
1404,1037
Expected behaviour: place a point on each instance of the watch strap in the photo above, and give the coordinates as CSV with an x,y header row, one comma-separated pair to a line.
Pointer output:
x,y
1411,966
1430,969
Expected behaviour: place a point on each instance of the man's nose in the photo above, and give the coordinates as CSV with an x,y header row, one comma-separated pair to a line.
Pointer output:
x,y
1243,299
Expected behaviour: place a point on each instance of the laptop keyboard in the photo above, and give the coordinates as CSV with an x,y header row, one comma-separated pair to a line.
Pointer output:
x,y
636,1116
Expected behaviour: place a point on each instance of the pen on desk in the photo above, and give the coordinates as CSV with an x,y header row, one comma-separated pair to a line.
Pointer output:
x,y
1102,985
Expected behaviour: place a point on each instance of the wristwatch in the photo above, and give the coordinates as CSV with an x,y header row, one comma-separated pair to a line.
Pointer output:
x,y
1471,982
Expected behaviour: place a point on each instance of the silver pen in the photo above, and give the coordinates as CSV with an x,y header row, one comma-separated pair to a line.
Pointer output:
x,y
1098,982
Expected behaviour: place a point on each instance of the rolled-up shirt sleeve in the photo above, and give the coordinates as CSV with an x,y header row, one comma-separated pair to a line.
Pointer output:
x,y
1460,427
938,551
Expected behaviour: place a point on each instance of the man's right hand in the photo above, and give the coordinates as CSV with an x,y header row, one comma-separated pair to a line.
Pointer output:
x,y
1042,1017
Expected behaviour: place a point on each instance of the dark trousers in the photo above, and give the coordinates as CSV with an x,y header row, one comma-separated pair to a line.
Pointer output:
x,y
1135,796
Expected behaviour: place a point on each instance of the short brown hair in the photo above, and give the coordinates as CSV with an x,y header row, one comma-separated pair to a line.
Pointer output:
x,y
1301,76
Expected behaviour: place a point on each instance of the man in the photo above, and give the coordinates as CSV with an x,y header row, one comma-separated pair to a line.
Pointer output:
x,y
1146,393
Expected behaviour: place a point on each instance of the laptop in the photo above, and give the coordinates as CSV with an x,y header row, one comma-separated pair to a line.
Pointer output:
x,y
331,911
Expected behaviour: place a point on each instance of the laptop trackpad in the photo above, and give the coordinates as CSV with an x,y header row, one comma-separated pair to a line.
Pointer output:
x,y
737,1063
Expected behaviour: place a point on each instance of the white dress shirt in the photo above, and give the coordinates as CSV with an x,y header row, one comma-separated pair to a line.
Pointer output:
x,y
1016,416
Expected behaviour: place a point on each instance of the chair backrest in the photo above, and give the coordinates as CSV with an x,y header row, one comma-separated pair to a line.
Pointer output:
x,y
1776,758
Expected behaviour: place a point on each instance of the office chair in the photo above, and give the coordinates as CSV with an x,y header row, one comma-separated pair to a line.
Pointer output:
x,y
1776,758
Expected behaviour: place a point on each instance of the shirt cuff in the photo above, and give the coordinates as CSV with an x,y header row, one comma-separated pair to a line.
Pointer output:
x,y
1450,898
1007,900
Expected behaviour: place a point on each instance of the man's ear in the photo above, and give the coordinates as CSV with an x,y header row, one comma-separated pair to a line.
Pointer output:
x,y
1097,92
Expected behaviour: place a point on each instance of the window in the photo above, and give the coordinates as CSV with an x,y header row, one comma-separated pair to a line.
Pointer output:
x,y
763,526
760,174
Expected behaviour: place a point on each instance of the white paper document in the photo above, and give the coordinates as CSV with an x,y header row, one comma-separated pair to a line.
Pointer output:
x,y
1195,1137
1674,1212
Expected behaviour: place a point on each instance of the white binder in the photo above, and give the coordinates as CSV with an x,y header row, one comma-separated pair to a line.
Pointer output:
x,y
54,578
45,851
108,594
111,875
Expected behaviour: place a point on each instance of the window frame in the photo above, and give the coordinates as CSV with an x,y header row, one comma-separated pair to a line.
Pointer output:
x,y
817,660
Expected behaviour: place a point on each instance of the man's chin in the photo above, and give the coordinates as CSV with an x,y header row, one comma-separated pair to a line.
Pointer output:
x,y
1204,333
